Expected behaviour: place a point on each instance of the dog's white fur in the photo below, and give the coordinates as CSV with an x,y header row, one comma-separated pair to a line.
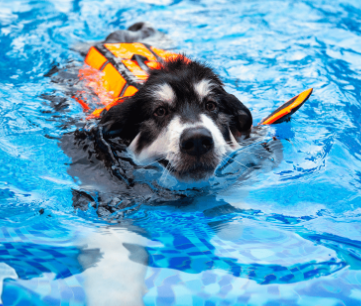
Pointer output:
x,y
164,93
167,145
203,88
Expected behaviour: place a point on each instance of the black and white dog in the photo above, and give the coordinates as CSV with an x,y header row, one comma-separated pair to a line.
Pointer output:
x,y
181,117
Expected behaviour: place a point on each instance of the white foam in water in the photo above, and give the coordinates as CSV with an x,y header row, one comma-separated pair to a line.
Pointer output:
x,y
115,277
158,2
5,272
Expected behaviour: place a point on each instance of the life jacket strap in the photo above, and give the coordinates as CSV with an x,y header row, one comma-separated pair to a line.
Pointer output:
x,y
125,67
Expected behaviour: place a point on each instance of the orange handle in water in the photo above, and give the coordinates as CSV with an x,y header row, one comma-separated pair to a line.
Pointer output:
x,y
285,111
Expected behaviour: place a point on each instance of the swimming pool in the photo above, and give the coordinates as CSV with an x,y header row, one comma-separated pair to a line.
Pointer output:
x,y
289,237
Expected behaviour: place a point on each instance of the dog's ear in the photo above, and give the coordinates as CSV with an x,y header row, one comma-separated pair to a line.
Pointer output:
x,y
121,120
244,120
240,114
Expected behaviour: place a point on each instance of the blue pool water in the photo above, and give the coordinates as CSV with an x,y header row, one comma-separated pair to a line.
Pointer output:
x,y
289,236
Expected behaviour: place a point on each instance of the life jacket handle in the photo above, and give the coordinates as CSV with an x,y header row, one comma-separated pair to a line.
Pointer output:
x,y
286,110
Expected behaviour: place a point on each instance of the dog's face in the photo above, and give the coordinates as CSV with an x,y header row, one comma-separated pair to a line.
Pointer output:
x,y
182,118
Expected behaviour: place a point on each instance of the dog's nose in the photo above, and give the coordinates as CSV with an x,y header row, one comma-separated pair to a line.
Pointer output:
x,y
196,141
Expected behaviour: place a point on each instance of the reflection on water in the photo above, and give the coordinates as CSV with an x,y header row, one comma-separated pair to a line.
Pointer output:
x,y
278,223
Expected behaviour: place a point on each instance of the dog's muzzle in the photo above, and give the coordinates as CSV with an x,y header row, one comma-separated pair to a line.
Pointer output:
x,y
196,141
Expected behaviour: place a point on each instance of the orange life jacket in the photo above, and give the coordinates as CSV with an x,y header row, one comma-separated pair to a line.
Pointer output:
x,y
124,68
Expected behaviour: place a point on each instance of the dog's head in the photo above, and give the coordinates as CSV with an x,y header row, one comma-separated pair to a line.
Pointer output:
x,y
182,118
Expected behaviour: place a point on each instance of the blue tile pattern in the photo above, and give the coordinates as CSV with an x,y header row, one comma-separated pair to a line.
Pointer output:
x,y
46,264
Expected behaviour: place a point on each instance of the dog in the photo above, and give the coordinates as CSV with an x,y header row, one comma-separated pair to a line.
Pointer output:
x,y
181,117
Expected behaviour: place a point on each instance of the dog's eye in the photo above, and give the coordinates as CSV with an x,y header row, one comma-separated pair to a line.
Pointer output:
x,y
211,106
160,112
